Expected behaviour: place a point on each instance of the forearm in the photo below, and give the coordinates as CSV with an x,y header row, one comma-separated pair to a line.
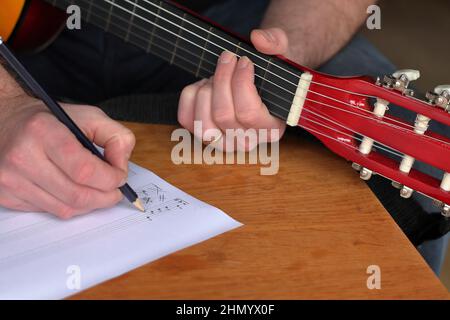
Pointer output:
x,y
316,29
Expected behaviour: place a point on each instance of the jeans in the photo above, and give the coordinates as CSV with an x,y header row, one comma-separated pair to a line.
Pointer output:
x,y
90,66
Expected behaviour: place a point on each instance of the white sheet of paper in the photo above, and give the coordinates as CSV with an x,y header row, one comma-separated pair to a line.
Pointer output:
x,y
42,257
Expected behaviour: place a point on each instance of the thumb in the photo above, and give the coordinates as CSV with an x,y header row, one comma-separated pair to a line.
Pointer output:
x,y
273,41
117,140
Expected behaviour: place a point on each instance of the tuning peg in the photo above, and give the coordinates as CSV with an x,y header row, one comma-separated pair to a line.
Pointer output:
x,y
365,174
407,74
440,97
356,166
400,80
406,192
445,208
446,211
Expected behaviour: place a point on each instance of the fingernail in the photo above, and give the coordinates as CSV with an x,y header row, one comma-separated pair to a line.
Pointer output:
x,y
124,181
268,35
226,57
243,62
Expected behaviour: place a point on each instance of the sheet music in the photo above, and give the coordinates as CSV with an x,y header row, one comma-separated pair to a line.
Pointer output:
x,y
42,257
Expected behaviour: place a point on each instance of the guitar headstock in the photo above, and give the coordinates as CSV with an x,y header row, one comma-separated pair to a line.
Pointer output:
x,y
354,118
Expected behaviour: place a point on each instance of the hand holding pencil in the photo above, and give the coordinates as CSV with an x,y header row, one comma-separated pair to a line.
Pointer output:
x,y
44,167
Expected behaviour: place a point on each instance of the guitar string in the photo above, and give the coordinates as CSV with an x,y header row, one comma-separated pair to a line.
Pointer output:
x,y
210,42
229,42
135,4
325,96
278,106
356,114
160,8
284,89
387,149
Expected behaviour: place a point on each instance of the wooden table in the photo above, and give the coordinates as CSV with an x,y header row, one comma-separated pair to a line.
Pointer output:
x,y
310,232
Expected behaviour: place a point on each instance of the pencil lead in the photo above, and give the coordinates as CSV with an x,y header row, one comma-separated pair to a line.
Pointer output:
x,y
138,204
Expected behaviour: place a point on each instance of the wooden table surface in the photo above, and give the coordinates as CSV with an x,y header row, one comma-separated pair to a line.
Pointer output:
x,y
310,232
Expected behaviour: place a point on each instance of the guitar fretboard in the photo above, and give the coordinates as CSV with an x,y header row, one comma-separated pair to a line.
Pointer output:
x,y
182,39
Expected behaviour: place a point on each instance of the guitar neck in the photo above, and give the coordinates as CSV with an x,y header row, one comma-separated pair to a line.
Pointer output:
x,y
189,42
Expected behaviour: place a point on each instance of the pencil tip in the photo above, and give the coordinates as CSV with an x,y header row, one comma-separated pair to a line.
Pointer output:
x,y
138,204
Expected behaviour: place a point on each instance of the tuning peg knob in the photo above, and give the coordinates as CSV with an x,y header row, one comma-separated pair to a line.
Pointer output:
x,y
442,89
408,74
440,97
400,80
365,174
406,192
446,211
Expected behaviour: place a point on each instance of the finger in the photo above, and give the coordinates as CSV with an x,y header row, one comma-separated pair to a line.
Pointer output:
x,y
222,98
79,164
7,200
186,105
203,101
29,192
55,182
249,108
270,41
117,140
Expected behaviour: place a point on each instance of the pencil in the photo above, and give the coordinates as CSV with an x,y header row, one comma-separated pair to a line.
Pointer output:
x,y
61,115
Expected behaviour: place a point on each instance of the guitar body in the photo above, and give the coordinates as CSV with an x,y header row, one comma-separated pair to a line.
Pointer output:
x,y
30,25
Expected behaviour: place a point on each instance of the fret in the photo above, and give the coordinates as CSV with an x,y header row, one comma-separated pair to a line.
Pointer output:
x,y
236,50
127,37
88,10
120,17
178,39
188,42
110,11
264,75
97,12
154,27
205,53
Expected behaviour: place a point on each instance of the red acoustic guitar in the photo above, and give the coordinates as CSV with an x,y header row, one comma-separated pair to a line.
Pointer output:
x,y
349,115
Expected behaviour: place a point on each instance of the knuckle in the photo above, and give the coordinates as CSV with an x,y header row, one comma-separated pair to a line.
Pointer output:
x,y
222,116
83,172
16,158
69,147
129,138
9,203
80,199
7,181
204,91
241,82
96,111
246,117
187,93
37,124
221,76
